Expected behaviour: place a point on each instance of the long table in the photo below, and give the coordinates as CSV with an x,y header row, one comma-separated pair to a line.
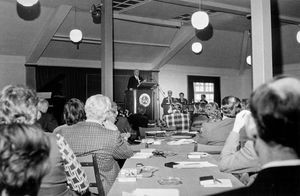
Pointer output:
x,y
190,177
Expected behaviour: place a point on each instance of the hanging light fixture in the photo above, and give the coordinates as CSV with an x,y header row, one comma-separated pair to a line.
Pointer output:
x,y
196,47
298,36
249,60
75,34
200,19
27,3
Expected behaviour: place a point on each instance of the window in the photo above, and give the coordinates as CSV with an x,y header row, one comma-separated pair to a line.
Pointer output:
x,y
198,85
203,88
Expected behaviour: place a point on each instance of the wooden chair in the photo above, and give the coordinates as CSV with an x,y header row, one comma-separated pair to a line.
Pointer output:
x,y
90,166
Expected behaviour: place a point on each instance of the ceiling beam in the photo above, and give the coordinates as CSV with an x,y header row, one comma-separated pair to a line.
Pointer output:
x,y
149,21
47,33
96,41
223,7
134,6
182,37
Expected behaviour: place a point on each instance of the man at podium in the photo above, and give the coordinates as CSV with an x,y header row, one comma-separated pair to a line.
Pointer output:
x,y
135,80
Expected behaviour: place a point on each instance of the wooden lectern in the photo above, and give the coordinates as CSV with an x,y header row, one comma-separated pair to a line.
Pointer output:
x,y
144,96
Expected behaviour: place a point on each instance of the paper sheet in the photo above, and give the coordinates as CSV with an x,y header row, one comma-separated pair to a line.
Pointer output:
x,y
197,155
181,141
186,164
224,183
142,155
152,192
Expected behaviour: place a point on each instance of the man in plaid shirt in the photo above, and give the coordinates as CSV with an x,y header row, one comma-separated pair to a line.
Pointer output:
x,y
92,137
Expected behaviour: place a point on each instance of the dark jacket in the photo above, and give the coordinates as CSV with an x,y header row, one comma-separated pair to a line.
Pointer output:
x,y
47,122
133,83
272,181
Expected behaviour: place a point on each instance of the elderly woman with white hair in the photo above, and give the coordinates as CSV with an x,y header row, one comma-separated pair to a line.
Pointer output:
x,y
18,107
92,136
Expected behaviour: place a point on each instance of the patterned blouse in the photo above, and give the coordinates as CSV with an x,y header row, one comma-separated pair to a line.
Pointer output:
x,y
76,177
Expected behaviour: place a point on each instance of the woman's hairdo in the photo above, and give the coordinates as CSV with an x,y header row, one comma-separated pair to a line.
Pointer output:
x,y
97,107
18,104
24,152
74,111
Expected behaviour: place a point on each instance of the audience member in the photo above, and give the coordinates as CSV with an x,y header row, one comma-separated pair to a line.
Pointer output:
x,y
111,118
167,103
245,104
239,160
125,128
140,119
24,151
18,104
275,108
73,113
46,120
122,121
176,108
199,108
215,133
213,112
91,136
199,115
203,99
181,99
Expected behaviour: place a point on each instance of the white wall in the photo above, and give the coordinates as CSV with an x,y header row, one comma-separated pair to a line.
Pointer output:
x,y
245,87
12,70
174,77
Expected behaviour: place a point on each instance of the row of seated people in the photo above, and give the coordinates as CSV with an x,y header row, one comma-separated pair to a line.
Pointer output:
x,y
272,146
238,155
85,132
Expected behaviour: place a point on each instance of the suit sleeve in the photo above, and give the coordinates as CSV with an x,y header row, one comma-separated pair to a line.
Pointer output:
x,y
163,102
131,83
232,159
121,148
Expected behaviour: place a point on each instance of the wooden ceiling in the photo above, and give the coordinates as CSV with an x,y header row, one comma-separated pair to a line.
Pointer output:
x,y
145,31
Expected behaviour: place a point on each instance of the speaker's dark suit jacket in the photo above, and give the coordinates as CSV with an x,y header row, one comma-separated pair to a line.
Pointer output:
x,y
133,83
273,181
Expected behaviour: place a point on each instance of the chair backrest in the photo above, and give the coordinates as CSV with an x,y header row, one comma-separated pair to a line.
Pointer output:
x,y
143,131
91,168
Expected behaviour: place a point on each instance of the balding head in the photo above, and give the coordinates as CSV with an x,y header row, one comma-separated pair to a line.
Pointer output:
x,y
230,106
275,107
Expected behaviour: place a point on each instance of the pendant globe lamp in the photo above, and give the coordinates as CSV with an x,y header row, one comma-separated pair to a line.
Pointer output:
x,y
196,47
27,3
75,34
200,19
298,37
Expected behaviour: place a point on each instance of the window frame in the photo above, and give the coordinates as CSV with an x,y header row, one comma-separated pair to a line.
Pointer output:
x,y
204,79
